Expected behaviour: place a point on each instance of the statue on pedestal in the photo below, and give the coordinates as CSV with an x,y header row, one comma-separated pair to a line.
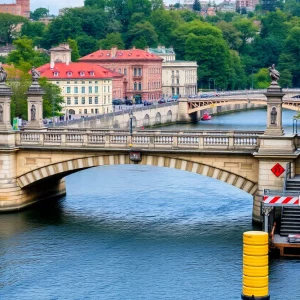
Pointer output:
x,y
274,74
3,74
33,111
273,115
35,74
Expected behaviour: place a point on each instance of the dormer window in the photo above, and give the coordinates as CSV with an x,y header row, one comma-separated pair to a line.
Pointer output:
x,y
56,74
92,73
81,73
69,73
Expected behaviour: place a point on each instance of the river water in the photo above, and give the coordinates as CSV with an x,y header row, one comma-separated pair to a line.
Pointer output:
x,y
136,232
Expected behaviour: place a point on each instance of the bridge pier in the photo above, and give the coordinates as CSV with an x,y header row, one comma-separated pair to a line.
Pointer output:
x,y
183,115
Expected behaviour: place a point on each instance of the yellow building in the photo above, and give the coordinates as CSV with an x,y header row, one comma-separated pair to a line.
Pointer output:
x,y
86,88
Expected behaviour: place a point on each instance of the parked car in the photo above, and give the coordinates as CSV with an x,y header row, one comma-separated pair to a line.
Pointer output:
x,y
147,103
170,100
117,102
161,101
204,96
128,102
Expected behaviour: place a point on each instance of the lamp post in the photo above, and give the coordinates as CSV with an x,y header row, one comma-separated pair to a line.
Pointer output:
x,y
209,82
130,126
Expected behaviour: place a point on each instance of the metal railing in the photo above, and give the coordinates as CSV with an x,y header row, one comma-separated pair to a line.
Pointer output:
x,y
287,175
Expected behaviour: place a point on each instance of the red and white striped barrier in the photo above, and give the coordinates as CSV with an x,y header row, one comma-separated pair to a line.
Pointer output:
x,y
280,200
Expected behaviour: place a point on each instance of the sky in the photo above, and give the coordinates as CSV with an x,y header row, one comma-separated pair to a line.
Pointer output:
x,y
55,5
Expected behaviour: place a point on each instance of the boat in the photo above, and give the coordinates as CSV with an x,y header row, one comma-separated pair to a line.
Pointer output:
x,y
206,117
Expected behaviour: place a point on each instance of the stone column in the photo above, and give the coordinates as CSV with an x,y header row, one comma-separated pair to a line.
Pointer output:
x,y
35,106
5,94
183,116
274,96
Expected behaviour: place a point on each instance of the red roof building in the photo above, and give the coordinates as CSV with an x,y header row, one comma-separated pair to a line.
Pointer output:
x,y
87,88
142,70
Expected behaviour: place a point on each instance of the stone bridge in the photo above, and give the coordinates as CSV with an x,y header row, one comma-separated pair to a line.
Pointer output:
x,y
34,161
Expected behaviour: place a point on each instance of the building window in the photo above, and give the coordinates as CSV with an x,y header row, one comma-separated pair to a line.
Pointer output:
x,y
83,89
105,89
104,99
57,82
90,89
96,111
69,73
85,111
92,110
125,71
108,89
83,100
55,74
139,72
140,86
69,101
134,71
135,86
96,100
92,73
76,100
76,90
68,90
96,82
81,73
90,100
68,82
96,89
120,70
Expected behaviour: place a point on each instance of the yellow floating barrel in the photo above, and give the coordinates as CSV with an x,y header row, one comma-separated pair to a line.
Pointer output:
x,y
255,266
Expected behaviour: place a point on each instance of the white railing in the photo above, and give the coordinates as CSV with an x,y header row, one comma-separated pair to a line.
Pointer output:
x,y
223,140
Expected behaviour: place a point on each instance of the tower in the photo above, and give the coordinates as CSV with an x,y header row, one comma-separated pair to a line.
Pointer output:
x,y
25,7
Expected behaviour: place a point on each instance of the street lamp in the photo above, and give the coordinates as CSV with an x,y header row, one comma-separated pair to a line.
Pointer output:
x,y
130,124
252,78
209,82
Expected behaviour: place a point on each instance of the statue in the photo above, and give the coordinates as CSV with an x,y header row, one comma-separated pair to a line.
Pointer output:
x,y
3,74
1,113
35,74
273,115
33,110
274,74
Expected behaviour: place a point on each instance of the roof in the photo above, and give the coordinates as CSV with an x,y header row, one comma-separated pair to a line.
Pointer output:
x,y
61,47
76,70
132,54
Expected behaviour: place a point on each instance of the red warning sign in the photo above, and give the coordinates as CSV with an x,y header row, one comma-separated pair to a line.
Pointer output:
x,y
278,169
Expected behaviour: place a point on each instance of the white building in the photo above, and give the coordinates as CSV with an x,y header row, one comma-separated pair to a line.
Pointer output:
x,y
178,77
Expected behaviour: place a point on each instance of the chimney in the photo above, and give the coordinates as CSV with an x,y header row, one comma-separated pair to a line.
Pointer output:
x,y
147,49
114,51
133,48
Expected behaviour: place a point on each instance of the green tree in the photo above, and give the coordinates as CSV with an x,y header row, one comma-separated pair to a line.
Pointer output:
x,y
196,5
24,57
286,78
246,28
86,44
142,35
157,4
112,40
52,99
262,79
8,26
39,13
75,52
164,22
34,31
19,83
231,35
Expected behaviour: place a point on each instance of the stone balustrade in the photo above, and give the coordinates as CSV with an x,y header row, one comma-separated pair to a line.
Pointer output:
x,y
145,139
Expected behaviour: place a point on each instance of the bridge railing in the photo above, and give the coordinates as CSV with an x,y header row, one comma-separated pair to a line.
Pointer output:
x,y
218,140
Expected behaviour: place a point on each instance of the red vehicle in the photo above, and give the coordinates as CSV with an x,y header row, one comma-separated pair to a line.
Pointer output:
x,y
206,117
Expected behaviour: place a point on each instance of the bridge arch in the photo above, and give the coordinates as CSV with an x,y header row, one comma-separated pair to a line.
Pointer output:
x,y
158,118
64,168
169,116
146,121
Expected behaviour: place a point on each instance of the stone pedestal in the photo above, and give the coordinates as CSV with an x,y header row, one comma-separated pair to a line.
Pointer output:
x,y
274,96
5,99
35,107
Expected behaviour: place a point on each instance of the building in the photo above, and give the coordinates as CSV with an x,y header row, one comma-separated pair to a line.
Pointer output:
x,y
178,77
5,50
87,88
20,8
249,5
142,71
227,6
